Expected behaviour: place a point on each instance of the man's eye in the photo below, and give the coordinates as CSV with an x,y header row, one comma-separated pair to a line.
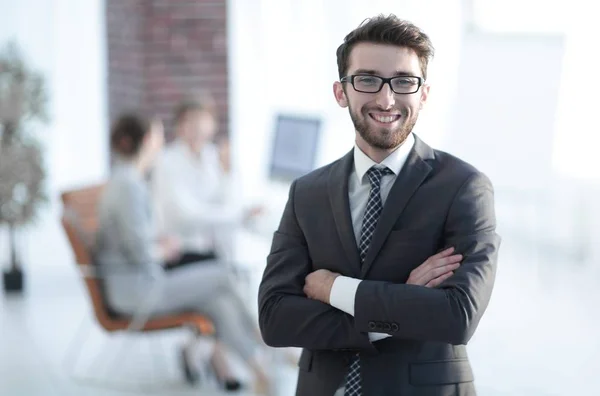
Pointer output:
x,y
367,80
404,82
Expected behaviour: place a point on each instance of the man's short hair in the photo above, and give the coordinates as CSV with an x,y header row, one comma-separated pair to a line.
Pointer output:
x,y
386,30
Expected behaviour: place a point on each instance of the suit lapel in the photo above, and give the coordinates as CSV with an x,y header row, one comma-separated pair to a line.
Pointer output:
x,y
413,173
340,207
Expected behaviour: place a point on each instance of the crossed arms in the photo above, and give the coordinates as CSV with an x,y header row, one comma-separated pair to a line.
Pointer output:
x,y
448,313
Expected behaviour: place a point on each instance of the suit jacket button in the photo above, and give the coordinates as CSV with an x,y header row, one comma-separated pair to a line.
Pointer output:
x,y
394,327
372,325
379,326
387,327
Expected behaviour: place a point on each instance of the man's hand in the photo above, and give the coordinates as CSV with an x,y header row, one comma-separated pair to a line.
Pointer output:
x,y
318,285
435,269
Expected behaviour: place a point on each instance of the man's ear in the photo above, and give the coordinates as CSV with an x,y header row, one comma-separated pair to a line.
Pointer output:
x,y
340,94
424,95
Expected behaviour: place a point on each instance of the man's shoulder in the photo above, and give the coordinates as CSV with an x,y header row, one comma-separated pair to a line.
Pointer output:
x,y
446,166
447,160
456,172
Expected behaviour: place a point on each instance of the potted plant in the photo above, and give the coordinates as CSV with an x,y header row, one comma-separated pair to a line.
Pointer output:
x,y
23,101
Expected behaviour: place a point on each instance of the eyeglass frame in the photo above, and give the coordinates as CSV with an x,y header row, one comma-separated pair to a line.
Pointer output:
x,y
384,81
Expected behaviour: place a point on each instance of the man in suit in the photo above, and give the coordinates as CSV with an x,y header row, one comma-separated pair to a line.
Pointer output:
x,y
361,273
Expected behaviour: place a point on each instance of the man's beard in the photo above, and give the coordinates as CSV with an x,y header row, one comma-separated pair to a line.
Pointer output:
x,y
382,138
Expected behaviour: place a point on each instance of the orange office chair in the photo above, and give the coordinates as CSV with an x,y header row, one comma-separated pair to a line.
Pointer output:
x,y
79,220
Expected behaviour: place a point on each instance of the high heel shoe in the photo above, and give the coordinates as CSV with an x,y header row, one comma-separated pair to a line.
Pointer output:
x,y
220,368
228,384
191,375
231,385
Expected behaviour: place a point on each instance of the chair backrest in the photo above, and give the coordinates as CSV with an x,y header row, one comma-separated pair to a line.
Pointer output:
x,y
80,222
83,203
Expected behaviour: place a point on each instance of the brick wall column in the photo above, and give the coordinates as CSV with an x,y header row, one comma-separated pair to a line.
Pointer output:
x,y
163,50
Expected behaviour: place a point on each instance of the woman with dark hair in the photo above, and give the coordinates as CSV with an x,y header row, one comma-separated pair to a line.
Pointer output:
x,y
133,259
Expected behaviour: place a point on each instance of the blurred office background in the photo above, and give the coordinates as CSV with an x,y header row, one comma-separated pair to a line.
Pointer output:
x,y
514,88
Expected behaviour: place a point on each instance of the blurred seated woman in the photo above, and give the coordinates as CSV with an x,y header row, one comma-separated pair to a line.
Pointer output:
x,y
134,260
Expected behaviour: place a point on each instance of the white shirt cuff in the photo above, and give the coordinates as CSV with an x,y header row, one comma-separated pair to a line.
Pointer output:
x,y
342,296
343,293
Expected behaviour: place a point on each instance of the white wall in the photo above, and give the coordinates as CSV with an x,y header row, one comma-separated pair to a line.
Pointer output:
x,y
523,117
282,58
578,136
505,112
80,76
65,40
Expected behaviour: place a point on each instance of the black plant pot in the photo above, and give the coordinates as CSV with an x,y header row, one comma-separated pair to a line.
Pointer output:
x,y
13,280
13,277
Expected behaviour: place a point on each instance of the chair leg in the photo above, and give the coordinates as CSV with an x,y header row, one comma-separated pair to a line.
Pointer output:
x,y
112,363
119,354
159,364
74,348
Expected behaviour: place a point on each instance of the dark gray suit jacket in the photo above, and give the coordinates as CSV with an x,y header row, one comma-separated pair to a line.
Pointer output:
x,y
437,201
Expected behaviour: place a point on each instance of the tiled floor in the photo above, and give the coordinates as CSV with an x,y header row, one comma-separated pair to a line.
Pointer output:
x,y
38,328
539,336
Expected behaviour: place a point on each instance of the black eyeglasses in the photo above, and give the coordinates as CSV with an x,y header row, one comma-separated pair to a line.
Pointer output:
x,y
369,83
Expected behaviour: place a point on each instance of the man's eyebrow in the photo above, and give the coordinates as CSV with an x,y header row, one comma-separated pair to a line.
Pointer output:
x,y
366,71
397,73
403,73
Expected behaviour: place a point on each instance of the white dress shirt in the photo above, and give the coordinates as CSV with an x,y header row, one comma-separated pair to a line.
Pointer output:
x,y
343,291
194,198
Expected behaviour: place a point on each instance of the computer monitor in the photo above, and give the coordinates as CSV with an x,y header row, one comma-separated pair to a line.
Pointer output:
x,y
294,146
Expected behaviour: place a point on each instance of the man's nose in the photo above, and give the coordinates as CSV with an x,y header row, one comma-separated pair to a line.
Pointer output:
x,y
386,97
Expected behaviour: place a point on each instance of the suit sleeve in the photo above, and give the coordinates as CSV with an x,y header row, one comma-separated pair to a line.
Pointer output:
x,y
451,312
288,318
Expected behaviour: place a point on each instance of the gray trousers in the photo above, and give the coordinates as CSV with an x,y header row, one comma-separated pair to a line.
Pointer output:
x,y
206,288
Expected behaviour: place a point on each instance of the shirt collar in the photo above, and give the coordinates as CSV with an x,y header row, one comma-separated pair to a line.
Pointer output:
x,y
395,161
